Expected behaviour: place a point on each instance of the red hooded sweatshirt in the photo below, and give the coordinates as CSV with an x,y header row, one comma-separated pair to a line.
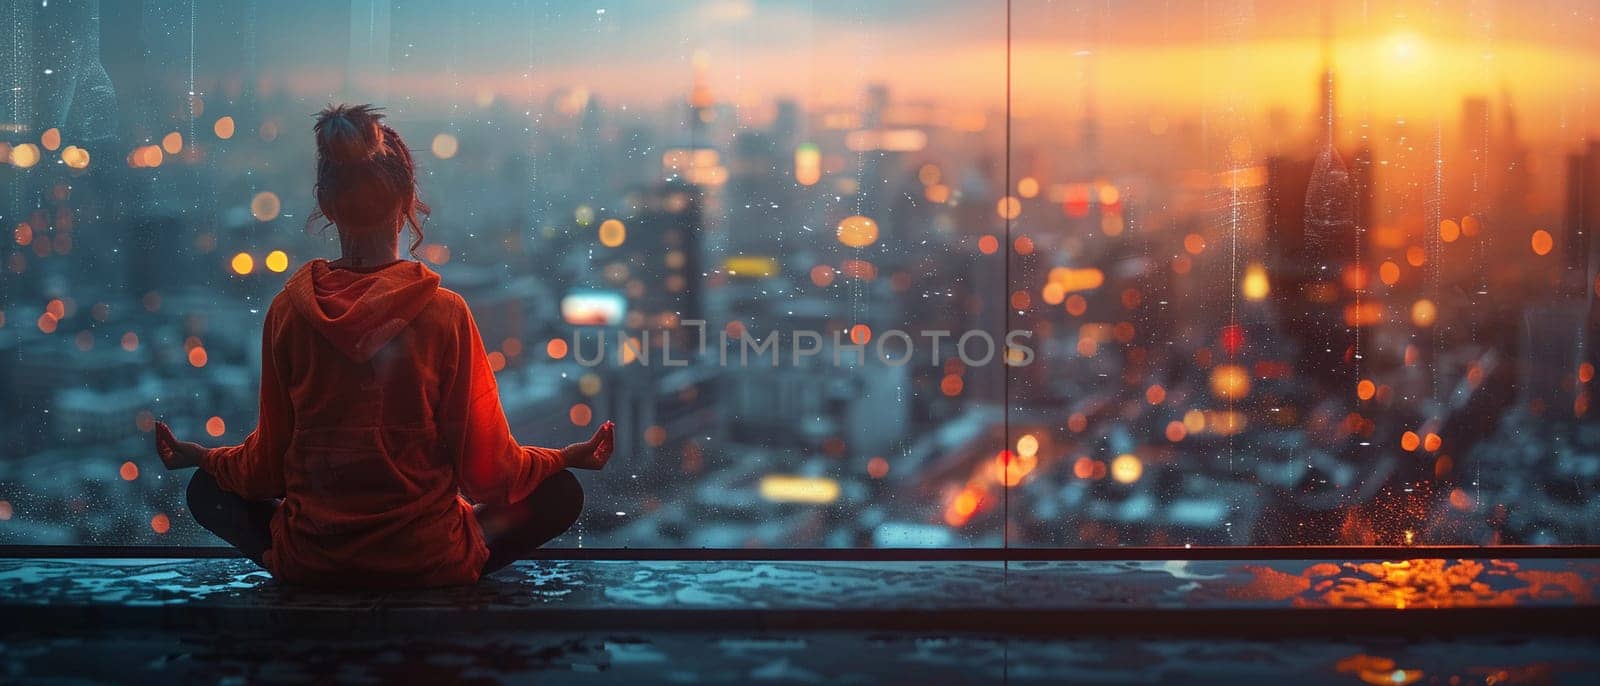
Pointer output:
x,y
378,411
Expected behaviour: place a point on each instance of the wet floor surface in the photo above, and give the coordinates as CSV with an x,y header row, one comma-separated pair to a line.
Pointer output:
x,y
821,657
224,621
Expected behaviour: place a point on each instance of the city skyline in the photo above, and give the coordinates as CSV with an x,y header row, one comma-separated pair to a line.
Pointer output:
x,y
1245,332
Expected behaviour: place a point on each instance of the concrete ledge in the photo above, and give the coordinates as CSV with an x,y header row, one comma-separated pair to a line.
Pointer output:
x,y
222,620
1173,597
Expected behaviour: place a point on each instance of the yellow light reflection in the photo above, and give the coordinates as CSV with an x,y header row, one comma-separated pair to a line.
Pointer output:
x,y
1126,469
1230,382
243,264
812,490
75,157
1424,312
1070,280
857,231
277,261
613,233
751,267
1028,445
1255,286
807,164
24,155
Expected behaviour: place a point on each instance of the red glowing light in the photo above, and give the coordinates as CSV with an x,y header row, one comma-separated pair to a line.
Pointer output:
x,y
877,467
1076,203
580,414
1232,339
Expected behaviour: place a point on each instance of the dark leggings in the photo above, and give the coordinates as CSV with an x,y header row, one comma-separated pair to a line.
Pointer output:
x,y
510,531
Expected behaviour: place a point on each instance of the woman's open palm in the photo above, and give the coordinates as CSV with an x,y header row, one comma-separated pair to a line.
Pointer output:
x,y
176,454
593,453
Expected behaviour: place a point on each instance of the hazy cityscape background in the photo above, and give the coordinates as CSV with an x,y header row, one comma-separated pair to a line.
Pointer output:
x,y
1308,274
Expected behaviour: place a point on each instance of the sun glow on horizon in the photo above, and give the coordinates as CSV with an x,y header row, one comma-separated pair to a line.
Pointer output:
x,y
1405,46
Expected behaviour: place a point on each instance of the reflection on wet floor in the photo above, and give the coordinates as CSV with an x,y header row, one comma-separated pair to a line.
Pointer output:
x,y
1379,671
723,621
1431,583
820,657
1382,671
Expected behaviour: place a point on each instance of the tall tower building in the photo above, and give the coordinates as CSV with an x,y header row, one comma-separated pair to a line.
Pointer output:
x,y
1510,160
1581,220
1315,211
701,102
664,251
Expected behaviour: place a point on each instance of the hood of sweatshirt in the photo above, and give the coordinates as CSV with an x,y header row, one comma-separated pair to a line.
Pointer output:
x,y
360,311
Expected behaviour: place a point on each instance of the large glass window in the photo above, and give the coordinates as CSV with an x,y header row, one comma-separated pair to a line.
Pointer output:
x,y
846,274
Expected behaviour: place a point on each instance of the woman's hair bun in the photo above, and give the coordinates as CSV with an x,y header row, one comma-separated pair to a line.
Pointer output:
x,y
366,178
349,133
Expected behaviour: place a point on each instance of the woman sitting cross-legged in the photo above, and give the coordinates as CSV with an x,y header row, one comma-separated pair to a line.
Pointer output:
x,y
379,410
